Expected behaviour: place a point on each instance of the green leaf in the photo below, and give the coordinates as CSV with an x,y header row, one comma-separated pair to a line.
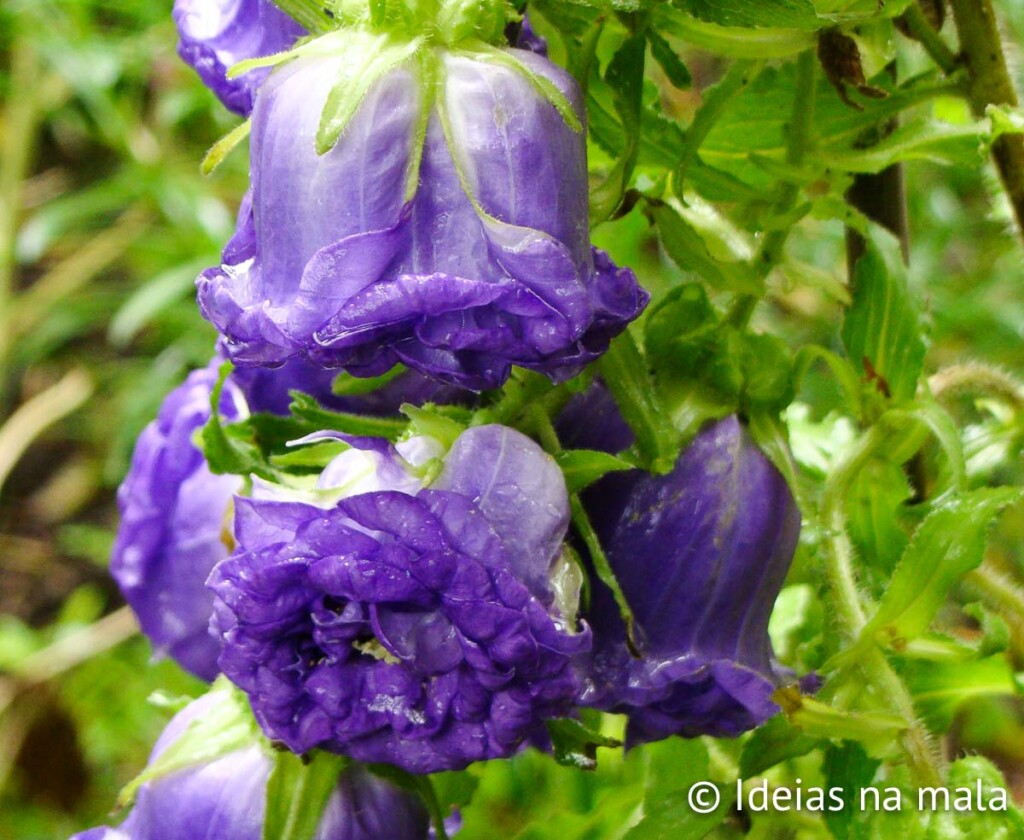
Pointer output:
x,y
308,409
948,544
582,467
230,450
668,59
755,13
881,329
941,688
878,733
671,817
625,77
877,494
367,58
689,251
427,421
223,147
850,769
347,385
767,368
225,727
732,41
575,745
778,740
297,793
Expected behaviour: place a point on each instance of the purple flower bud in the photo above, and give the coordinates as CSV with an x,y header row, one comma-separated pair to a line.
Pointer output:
x,y
226,798
215,34
175,513
701,554
459,262
592,420
405,624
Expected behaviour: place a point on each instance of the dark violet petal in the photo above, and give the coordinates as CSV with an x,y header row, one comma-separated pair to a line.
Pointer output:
x,y
383,627
701,555
216,34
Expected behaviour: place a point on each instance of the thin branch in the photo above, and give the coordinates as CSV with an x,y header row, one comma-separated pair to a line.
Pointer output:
x,y
982,50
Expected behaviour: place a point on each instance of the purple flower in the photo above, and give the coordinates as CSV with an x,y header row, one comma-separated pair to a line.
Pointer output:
x,y
173,527
175,513
215,34
226,798
701,555
407,624
447,228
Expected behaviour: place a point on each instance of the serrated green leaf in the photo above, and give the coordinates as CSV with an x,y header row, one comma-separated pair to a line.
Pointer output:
x,y
672,817
297,792
776,741
881,329
948,544
847,768
308,409
668,59
582,467
229,450
689,251
225,727
624,76
575,745
732,41
754,13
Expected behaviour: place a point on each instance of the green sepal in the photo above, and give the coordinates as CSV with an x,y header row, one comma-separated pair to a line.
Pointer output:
x,y
582,467
297,793
574,744
223,147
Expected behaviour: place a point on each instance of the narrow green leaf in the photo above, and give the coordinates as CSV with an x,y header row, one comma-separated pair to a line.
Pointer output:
x,y
365,62
625,77
733,41
778,740
689,251
575,745
227,726
223,147
948,544
754,13
669,61
347,385
582,467
297,792
229,450
308,409
881,329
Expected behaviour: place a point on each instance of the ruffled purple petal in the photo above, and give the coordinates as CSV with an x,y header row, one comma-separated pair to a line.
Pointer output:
x,y
701,554
401,627
216,34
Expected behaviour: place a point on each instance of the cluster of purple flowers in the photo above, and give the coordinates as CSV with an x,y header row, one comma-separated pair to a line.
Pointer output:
x,y
417,603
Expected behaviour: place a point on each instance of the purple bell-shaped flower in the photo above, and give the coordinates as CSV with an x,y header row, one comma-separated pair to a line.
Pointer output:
x,y
440,221
701,555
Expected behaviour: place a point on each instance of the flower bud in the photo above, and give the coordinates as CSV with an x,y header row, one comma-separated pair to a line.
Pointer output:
x,y
400,623
216,34
700,554
226,798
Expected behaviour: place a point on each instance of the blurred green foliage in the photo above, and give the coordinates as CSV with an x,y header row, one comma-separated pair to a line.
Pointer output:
x,y
105,221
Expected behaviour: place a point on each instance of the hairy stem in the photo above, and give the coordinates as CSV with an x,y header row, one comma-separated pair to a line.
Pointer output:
x,y
982,50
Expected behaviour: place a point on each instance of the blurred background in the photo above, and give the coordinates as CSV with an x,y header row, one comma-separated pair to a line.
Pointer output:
x,y
105,221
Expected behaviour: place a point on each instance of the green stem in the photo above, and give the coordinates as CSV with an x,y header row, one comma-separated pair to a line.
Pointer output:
x,y
973,377
923,33
581,521
797,142
849,610
998,589
982,49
